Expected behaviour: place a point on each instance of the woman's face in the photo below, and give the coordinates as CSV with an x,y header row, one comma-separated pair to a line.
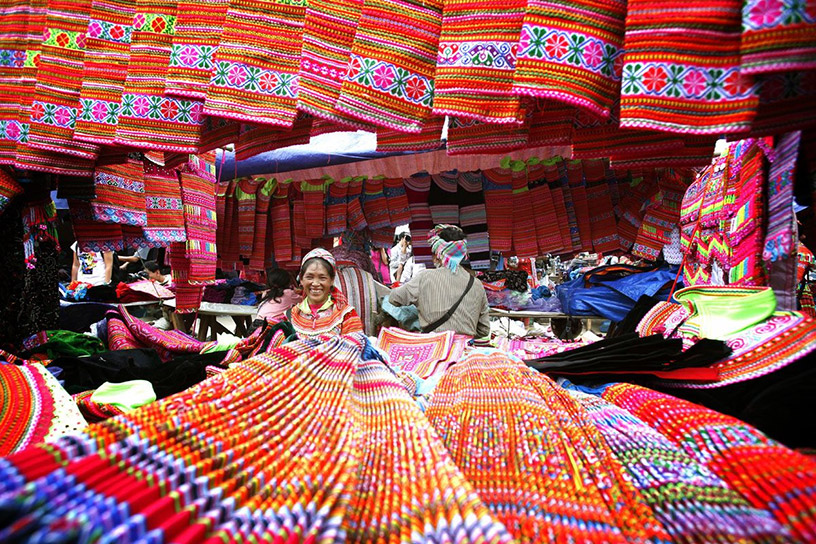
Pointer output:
x,y
316,283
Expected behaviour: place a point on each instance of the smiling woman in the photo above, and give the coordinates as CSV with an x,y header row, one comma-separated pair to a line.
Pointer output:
x,y
324,310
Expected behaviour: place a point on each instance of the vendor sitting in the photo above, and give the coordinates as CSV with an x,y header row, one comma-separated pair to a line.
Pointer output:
x,y
325,309
448,298
154,273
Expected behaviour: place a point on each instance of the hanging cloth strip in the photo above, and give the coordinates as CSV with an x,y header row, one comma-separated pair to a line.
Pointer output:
x,y
302,242
780,240
682,69
470,136
524,231
577,183
198,198
498,194
120,194
328,35
601,215
93,235
548,235
165,217
354,210
16,14
571,52
148,118
473,218
552,173
195,41
336,206
221,214
59,80
314,212
217,133
781,99
476,61
245,199
660,218
429,137
607,141
389,82
442,198
745,231
399,210
551,124
255,139
107,55
260,254
375,207
9,190
188,295
255,77
279,215
417,188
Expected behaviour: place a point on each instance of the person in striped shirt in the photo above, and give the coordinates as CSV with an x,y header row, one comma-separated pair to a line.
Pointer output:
x,y
435,292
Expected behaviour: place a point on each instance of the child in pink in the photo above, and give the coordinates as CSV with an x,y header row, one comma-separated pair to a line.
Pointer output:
x,y
278,298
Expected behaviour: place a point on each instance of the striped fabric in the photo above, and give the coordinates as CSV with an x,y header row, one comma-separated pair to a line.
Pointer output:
x,y
571,52
261,248
577,185
93,235
548,231
498,193
256,139
777,37
660,218
314,196
198,198
165,216
523,216
148,118
359,288
255,77
473,218
682,68
120,194
390,82
553,174
188,295
280,222
336,207
375,206
469,136
418,353
228,248
107,54
217,132
429,137
476,60
15,39
601,214
59,79
328,35
417,188
245,199
399,210
607,141
198,32
780,240
27,408
550,123
748,222
354,210
442,198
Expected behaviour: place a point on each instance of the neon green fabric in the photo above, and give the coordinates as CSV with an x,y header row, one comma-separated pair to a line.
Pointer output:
x,y
719,312
126,396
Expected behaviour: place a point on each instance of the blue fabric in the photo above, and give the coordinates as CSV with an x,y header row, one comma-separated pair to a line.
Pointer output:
x,y
407,316
596,389
613,298
542,291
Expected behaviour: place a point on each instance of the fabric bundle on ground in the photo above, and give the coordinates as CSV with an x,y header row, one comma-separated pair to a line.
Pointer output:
x,y
476,61
389,81
165,216
681,71
571,52
195,41
107,54
255,77
148,118
59,79
120,194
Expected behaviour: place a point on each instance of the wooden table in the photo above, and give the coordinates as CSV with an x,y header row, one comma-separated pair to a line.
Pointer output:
x,y
209,312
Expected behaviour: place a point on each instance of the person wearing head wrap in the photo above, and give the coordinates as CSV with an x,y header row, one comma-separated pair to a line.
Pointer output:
x,y
435,292
324,309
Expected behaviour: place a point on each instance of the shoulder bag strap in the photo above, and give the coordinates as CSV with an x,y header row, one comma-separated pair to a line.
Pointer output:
x,y
433,326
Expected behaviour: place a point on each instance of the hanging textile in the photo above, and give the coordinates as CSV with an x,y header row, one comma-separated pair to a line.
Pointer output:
x,y
59,79
745,232
165,217
476,61
780,240
601,215
468,136
550,124
429,137
148,118
498,195
682,69
768,29
195,41
375,206
188,295
442,198
577,186
389,81
120,194
198,198
9,190
553,174
571,52
473,218
548,234
314,212
217,133
328,35
279,216
661,216
336,206
93,235
354,210
107,54
256,139
256,65
261,249
524,231
417,188
399,210
245,199
17,15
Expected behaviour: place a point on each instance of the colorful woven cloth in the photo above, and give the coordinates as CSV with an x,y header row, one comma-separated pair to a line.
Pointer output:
x,y
328,35
780,240
198,200
417,353
389,82
195,41
777,37
59,79
245,200
571,52
107,55
601,214
750,463
473,218
548,235
689,500
682,68
577,186
255,77
399,210
314,195
34,407
660,217
375,206
449,253
120,194
503,422
9,189
93,235
417,188
255,139
262,251
336,207
470,136
524,226
476,61
442,198
165,215
359,288
429,137
555,175
188,295
354,209
280,221
16,35
148,118
498,194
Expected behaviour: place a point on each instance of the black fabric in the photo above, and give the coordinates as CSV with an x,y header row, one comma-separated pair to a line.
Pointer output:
x,y
635,316
13,272
430,327
101,293
630,352
79,316
515,279
84,373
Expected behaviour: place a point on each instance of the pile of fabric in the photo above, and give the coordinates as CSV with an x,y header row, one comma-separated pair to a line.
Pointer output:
x,y
319,440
